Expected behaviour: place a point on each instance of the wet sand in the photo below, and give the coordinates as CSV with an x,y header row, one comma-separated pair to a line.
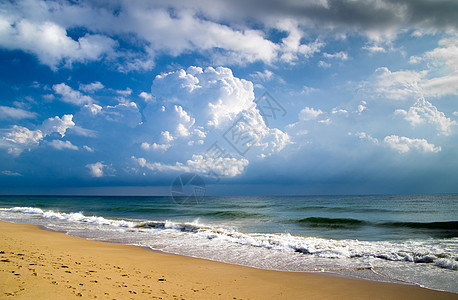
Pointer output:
x,y
40,264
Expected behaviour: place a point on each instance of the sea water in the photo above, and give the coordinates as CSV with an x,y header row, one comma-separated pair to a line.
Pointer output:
x,y
394,238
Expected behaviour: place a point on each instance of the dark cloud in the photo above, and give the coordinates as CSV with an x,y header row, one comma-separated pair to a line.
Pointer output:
x,y
441,14
339,15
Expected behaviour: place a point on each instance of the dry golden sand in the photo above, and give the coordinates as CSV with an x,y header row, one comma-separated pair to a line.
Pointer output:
x,y
39,264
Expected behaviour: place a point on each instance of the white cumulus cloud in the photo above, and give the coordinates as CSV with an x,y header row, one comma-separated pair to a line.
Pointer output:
x,y
155,146
50,42
309,113
424,112
96,169
22,135
405,144
19,138
59,125
221,166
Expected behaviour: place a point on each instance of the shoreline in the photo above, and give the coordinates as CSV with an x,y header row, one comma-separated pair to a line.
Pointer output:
x,y
41,263
326,273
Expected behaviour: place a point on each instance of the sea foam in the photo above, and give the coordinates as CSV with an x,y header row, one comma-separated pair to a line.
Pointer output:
x,y
73,216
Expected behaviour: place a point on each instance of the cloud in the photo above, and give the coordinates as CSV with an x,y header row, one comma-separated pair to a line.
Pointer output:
x,y
155,146
262,76
323,64
88,149
125,93
50,43
341,111
94,109
307,90
444,57
185,31
225,95
13,113
374,19
400,85
130,34
83,131
143,23
56,124
374,49
309,113
361,107
274,140
169,138
256,135
439,79
22,135
10,173
158,166
91,87
185,122
221,166
424,112
125,114
195,107
96,169
447,53
19,138
219,31
405,144
61,145
71,96
341,55
207,166
365,136
146,96
291,47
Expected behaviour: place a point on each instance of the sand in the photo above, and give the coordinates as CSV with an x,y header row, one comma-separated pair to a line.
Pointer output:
x,y
40,264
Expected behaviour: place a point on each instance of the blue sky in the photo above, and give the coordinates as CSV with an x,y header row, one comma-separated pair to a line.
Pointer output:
x,y
257,97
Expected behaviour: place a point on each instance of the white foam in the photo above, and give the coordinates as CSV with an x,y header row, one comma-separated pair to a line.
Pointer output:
x,y
29,210
446,264
74,217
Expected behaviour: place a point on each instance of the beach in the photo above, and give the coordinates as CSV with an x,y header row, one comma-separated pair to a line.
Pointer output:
x,y
40,264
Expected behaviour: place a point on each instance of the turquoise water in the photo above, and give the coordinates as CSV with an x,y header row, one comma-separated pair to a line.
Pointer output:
x,y
411,238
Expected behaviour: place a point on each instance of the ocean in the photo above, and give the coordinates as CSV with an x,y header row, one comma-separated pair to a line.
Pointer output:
x,y
392,238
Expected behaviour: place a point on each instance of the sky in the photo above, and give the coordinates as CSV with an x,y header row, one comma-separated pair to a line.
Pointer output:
x,y
255,97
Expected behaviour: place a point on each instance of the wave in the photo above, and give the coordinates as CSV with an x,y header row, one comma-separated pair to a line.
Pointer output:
x,y
141,209
229,214
448,225
424,251
347,209
185,227
257,206
330,222
75,217
451,227
317,208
